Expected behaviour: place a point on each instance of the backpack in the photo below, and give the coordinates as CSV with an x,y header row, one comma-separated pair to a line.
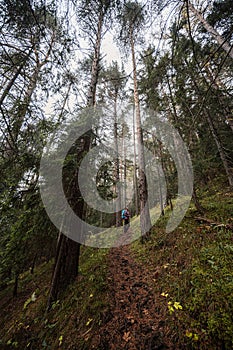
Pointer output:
x,y
123,214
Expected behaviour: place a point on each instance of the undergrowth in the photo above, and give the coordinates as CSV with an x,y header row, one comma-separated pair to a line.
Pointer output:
x,y
192,270
73,318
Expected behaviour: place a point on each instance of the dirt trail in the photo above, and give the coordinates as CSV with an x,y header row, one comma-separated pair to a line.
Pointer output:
x,y
135,320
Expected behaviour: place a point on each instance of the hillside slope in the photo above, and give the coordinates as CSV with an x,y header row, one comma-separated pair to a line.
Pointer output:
x,y
175,291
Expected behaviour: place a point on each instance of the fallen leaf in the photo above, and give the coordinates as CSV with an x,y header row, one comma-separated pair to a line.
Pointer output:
x,y
126,336
177,305
89,321
166,266
188,334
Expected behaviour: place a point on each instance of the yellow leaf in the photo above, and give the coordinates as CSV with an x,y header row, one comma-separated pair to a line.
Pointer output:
x,y
91,296
33,297
177,305
89,321
164,294
60,340
171,309
195,337
188,334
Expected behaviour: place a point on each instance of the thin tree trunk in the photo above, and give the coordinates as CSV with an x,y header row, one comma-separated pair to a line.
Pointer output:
x,y
223,43
91,97
220,149
122,168
165,171
198,205
144,206
15,289
117,171
216,138
217,84
33,264
135,168
24,105
230,121
170,203
160,191
159,175
125,168
15,76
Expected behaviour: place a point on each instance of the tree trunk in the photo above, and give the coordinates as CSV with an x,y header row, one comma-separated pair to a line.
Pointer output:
x,y
145,221
220,149
117,170
24,105
15,289
217,85
33,264
170,203
135,178
68,251
216,138
65,267
223,43
22,109
13,79
197,204
10,140
91,98
123,166
230,121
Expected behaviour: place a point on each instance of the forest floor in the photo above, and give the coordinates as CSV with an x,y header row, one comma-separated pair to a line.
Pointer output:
x,y
173,291
135,316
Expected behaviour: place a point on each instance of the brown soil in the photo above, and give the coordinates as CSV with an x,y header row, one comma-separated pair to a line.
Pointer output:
x,y
135,320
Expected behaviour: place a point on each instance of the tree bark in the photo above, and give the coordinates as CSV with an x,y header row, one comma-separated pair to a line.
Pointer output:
x,y
135,168
220,149
65,267
16,282
117,167
217,85
223,43
91,97
13,79
158,174
21,111
68,251
197,204
145,221
123,164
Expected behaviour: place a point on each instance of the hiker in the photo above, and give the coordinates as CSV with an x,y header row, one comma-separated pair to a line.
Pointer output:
x,y
126,217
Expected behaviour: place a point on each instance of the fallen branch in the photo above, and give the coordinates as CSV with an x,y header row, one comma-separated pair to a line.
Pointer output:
x,y
213,223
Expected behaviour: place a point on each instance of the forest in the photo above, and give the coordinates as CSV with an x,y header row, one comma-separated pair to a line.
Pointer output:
x,y
107,105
